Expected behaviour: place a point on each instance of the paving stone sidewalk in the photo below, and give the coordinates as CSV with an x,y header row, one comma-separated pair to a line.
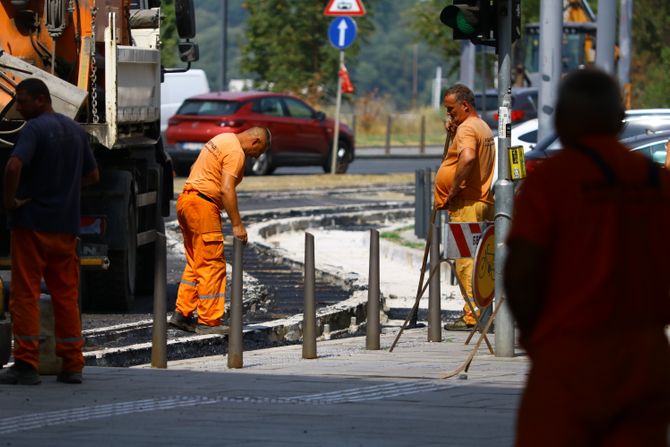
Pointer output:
x,y
347,396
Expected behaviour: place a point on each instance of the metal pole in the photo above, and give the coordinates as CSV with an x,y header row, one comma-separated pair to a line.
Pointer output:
x,y
427,202
224,46
389,123
309,315
606,22
235,352
336,132
434,291
422,141
625,47
418,204
437,89
467,69
373,330
159,331
415,75
504,188
551,35
483,80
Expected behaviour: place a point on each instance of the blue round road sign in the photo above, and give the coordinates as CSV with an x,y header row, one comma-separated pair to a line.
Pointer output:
x,y
342,32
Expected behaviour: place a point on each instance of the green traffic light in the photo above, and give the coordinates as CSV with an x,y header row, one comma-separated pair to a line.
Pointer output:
x,y
454,17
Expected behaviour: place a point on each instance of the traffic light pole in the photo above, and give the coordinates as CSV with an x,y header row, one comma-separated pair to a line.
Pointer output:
x,y
504,188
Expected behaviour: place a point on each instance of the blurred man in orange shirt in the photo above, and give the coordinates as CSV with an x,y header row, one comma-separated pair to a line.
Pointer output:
x,y
463,182
209,189
587,252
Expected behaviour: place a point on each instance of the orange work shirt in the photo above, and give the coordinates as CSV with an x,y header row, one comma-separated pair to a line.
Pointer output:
x,y
475,134
606,244
223,153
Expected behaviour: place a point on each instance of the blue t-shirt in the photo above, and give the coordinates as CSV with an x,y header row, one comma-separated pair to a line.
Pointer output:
x,y
56,154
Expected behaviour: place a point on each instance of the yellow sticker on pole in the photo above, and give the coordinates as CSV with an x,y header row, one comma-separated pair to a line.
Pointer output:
x,y
517,163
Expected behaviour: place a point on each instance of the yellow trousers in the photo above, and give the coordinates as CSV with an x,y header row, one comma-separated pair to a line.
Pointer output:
x,y
462,210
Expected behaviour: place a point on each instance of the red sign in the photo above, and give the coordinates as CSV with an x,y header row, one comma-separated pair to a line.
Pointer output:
x,y
344,8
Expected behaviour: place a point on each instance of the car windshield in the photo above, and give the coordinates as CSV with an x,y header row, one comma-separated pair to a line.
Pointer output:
x,y
208,108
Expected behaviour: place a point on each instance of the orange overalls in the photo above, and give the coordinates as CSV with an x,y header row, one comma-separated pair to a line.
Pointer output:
x,y
203,283
36,255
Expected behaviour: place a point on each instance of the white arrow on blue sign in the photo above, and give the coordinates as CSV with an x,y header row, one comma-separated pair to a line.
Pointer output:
x,y
342,32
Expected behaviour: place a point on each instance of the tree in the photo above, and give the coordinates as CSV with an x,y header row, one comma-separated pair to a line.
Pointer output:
x,y
287,46
168,34
651,55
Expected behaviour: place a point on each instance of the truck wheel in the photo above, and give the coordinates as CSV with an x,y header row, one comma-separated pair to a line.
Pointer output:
x,y
343,157
114,290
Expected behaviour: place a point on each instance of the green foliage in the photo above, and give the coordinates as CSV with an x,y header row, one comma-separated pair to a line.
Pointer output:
x,y
651,53
169,57
286,46
395,57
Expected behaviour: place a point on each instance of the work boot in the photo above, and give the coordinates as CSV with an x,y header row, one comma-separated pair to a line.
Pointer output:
x,y
219,329
20,373
458,325
179,321
69,377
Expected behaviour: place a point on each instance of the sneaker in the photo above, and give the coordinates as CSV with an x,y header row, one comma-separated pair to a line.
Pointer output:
x,y
179,321
20,374
69,377
458,325
218,329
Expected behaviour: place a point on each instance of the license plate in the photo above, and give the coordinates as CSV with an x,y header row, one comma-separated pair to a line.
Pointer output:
x,y
191,146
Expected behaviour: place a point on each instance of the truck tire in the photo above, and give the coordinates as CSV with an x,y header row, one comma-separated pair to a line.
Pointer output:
x,y
113,290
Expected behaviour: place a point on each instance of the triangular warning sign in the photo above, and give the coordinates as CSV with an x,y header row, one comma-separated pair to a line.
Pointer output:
x,y
344,8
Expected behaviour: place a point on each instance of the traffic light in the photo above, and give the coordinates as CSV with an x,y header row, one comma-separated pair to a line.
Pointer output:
x,y
475,20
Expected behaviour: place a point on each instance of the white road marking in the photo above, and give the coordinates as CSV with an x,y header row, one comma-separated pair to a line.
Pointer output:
x,y
59,417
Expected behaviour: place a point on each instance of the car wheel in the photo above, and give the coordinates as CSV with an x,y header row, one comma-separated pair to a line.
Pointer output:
x,y
343,157
263,165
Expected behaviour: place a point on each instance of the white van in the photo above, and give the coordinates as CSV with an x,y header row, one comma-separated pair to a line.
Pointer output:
x,y
177,87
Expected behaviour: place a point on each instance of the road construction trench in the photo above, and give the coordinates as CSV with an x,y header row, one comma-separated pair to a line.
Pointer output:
x,y
278,294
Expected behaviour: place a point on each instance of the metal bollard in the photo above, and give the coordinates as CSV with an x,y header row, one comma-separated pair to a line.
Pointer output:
x,y
235,359
372,330
309,315
427,200
159,330
389,124
419,212
422,140
434,290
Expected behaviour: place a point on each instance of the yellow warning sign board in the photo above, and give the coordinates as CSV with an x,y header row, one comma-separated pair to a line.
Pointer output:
x,y
483,273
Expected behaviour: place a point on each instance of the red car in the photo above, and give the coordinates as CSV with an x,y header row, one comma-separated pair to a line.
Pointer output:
x,y
301,136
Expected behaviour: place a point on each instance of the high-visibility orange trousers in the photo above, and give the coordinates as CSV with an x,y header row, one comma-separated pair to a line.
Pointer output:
x,y
609,388
36,255
203,283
